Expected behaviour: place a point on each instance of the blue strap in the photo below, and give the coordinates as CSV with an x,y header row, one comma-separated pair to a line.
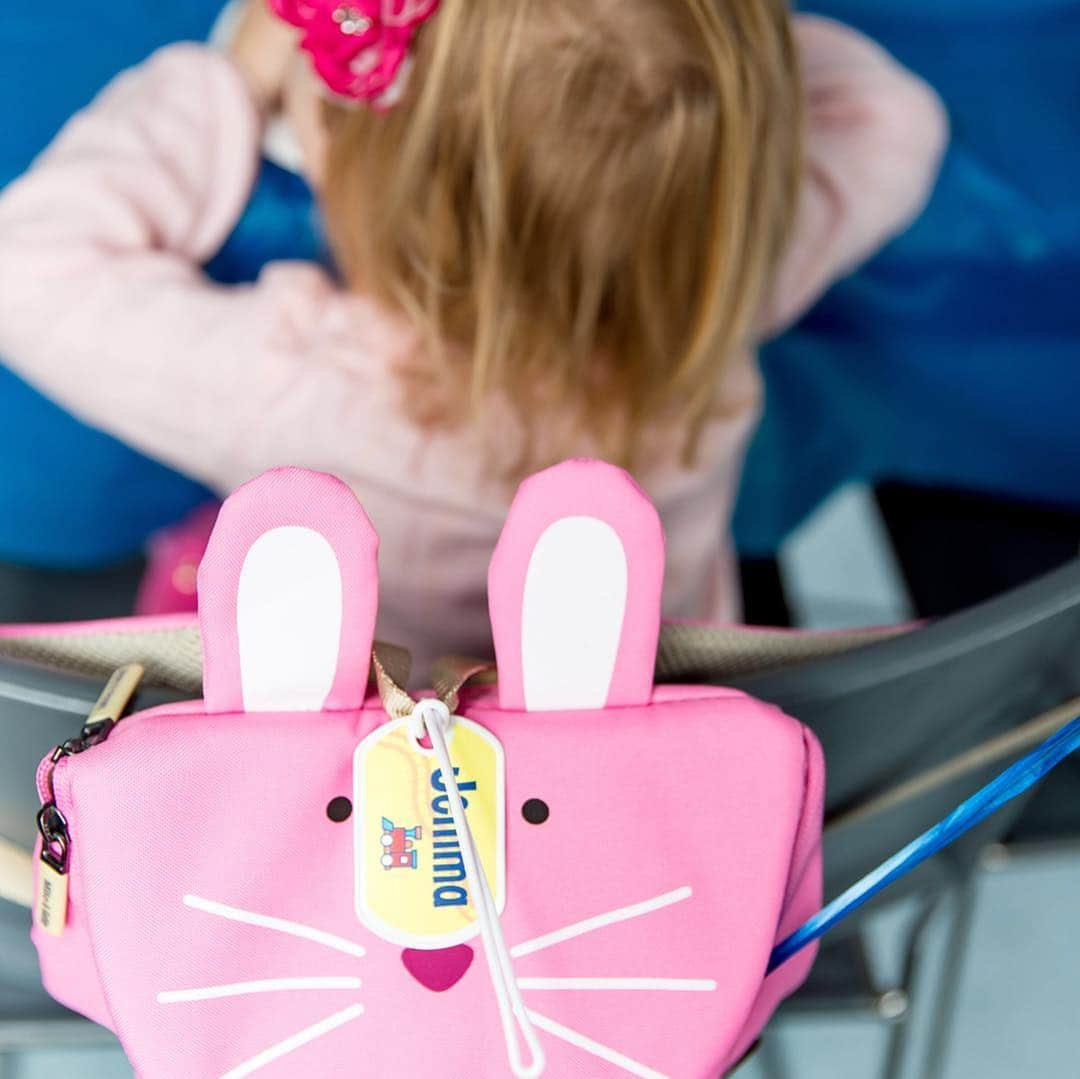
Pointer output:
x,y
1013,781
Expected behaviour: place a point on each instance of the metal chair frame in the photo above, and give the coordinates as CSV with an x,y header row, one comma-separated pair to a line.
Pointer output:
x,y
954,895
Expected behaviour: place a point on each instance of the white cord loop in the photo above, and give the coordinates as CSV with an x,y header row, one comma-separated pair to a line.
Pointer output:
x,y
425,712
434,718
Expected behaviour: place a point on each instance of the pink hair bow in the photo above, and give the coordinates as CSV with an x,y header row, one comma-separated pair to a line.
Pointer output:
x,y
358,47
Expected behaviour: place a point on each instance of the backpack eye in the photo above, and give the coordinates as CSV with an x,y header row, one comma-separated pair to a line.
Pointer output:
x,y
535,811
339,809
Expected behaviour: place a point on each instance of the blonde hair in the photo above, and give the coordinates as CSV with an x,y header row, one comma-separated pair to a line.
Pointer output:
x,y
578,204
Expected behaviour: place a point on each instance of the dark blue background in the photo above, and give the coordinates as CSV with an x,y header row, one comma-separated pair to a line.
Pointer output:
x,y
954,356
71,496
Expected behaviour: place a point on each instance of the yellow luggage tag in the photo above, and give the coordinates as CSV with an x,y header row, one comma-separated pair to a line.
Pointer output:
x,y
411,887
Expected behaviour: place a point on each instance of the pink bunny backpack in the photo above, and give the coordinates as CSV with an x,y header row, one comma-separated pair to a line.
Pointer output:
x,y
569,872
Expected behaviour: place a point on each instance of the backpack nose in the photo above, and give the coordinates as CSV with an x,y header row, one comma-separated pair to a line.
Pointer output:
x,y
438,970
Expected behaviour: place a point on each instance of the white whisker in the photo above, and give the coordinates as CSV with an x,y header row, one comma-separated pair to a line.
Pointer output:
x,y
309,1034
598,921
279,925
671,985
604,1052
266,985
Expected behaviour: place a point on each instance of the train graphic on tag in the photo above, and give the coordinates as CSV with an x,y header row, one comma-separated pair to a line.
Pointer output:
x,y
397,843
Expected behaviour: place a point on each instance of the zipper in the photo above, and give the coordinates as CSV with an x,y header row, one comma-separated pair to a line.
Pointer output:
x,y
51,908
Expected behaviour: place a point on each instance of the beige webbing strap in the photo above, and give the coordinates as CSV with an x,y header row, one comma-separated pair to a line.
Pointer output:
x,y
995,751
172,655
396,701
448,678
451,674
16,875
715,654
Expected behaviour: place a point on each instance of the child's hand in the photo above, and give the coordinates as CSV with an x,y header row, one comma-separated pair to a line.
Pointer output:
x,y
263,49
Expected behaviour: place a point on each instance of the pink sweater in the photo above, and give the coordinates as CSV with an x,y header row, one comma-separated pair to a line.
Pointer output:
x,y
103,306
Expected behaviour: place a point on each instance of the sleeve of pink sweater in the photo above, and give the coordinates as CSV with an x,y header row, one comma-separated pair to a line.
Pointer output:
x,y
875,136
103,305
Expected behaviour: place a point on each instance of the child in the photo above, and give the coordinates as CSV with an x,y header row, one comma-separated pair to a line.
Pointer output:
x,y
562,228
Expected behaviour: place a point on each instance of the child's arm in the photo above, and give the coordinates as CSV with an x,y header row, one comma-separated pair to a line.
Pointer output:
x,y
103,304
875,135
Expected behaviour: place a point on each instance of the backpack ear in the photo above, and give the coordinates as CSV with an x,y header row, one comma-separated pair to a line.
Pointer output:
x,y
574,591
288,593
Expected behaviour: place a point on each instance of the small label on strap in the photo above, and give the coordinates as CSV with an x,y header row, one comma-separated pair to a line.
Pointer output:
x,y
118,691
411,887
50,911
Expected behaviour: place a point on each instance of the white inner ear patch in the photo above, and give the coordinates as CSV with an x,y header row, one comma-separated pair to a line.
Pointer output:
x,y
572,615
288,621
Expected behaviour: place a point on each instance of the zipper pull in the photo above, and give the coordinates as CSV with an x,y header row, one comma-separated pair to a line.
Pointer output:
x,y
106,712
50,910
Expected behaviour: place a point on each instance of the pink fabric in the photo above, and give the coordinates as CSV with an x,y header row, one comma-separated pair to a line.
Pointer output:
x,y
876,136
596,490
805,884
706,794
169,585
102,306
279,499
69,970
699,807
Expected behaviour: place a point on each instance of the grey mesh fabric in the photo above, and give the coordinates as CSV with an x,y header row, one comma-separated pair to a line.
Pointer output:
x,y
892,711
714,654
